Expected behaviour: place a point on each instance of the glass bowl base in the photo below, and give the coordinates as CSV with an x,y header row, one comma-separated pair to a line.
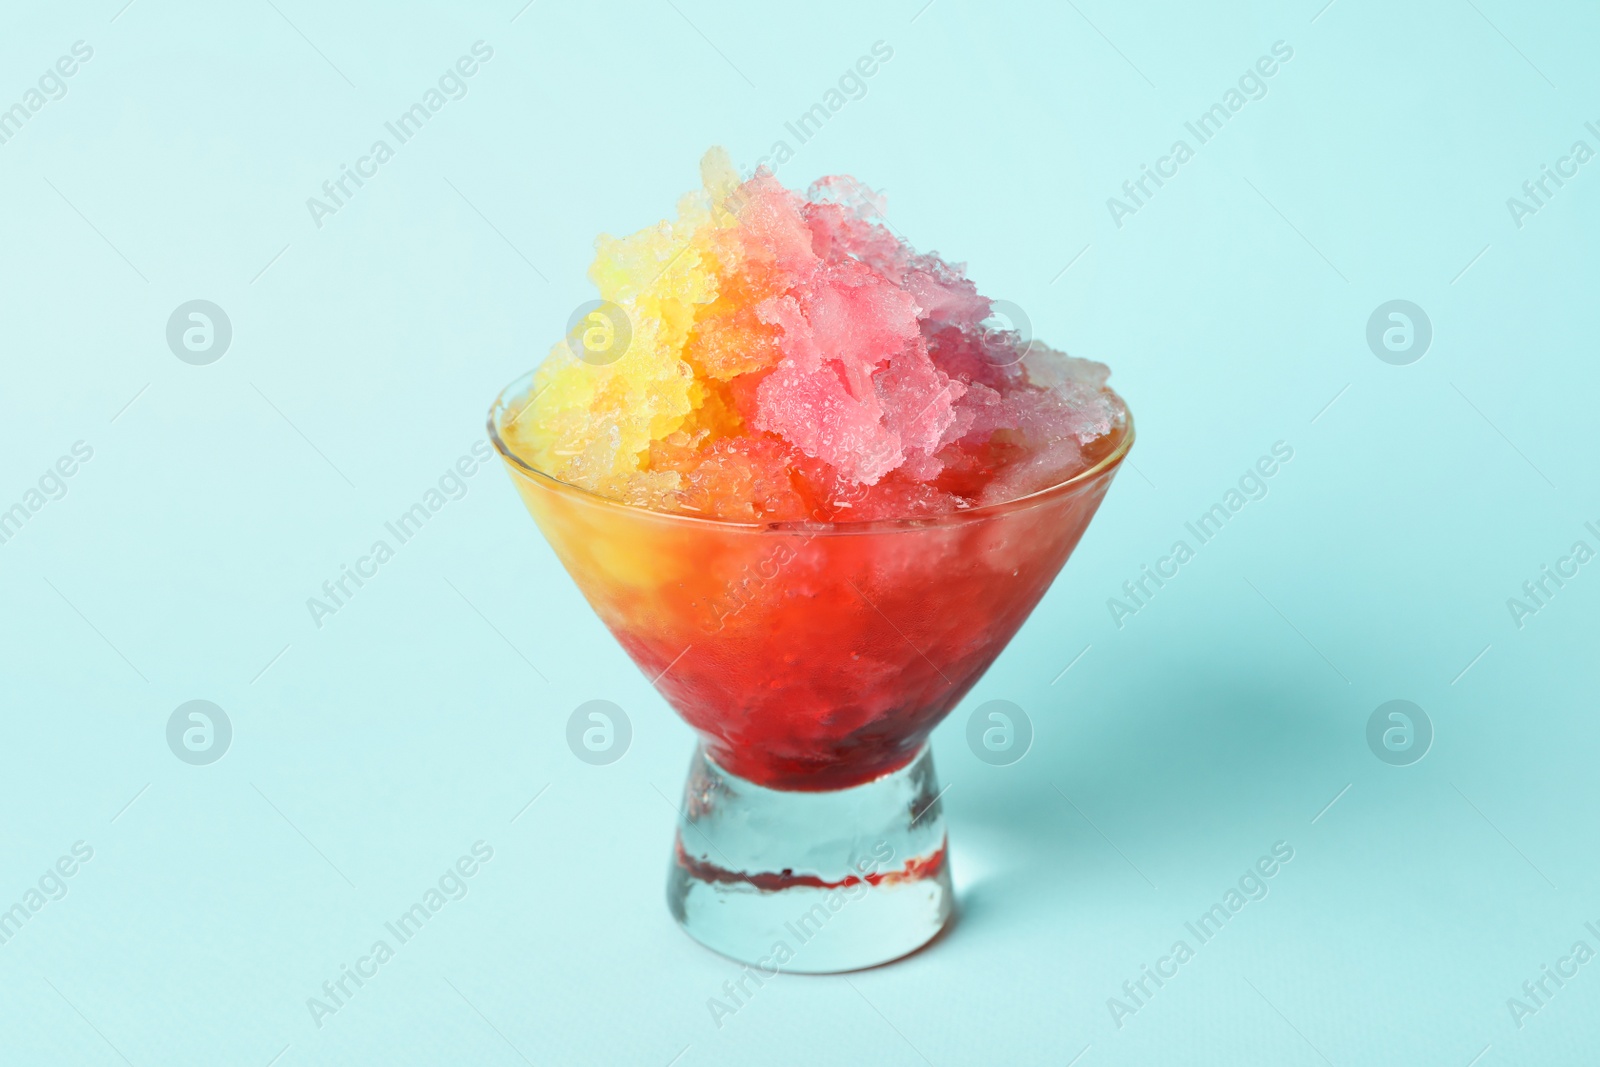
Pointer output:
x,y
811,882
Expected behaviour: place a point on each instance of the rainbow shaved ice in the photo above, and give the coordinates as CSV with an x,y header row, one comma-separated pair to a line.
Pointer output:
x,y
791,357
786,366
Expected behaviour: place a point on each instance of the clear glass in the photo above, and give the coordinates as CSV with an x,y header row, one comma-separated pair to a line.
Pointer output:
x,y
811,882
811,658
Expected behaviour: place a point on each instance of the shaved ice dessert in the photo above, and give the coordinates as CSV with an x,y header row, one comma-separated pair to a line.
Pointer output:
x,y
801,475
788,357
813,489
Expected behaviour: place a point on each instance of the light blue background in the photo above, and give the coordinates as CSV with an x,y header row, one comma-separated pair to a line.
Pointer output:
x,y
370,753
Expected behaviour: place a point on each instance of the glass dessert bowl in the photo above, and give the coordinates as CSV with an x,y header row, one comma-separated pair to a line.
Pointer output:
x,y
813,658
813,489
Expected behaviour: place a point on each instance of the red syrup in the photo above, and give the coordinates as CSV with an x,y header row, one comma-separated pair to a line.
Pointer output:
x,y
916,869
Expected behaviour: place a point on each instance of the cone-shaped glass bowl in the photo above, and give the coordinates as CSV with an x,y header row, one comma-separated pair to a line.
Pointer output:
x,y
813,659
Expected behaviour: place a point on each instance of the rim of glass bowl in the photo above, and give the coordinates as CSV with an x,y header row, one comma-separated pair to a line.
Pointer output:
x,y
1043,496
